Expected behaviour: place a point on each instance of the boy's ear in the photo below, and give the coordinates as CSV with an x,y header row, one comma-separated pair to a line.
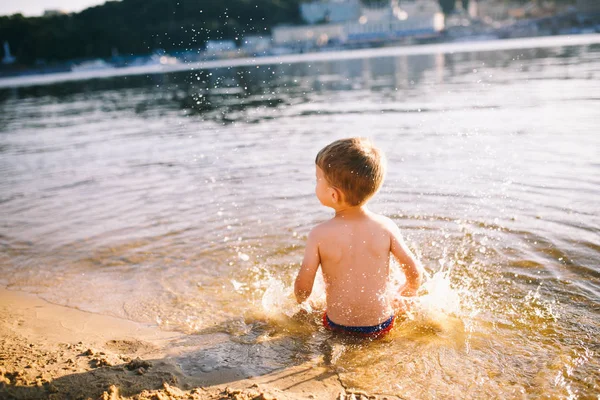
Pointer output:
x,y
336,195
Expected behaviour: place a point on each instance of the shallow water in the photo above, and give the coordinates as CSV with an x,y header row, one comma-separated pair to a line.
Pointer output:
x,y
185,200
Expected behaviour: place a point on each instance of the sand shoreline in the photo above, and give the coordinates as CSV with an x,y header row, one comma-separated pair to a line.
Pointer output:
x,y
54,352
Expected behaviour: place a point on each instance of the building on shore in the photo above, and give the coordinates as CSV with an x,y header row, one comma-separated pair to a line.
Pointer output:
x,y
490,11
309,35
408,18
330,11
349,21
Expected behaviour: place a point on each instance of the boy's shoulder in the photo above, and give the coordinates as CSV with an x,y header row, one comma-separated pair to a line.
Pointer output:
x,y
323,228
384,222
326,228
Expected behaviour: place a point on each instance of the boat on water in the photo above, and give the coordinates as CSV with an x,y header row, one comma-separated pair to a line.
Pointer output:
x,y
92,65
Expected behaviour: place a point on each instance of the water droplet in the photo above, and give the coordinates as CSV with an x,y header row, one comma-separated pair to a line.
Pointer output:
x,y
237,285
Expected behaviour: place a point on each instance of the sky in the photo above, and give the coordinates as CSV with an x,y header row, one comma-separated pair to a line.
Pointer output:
x,y
36,7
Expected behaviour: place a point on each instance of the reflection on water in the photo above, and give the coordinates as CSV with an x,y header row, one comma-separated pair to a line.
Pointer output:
x,y
185,200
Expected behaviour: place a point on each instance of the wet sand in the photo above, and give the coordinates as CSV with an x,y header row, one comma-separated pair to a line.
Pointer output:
x,y
54,352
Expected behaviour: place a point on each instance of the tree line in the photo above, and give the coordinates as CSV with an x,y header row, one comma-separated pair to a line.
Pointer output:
x,y
139,27
130,27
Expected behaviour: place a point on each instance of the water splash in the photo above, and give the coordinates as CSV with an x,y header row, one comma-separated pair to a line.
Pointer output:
x,y
438,300
278,300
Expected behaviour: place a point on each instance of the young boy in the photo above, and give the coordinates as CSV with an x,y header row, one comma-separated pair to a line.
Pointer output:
x,y
353,248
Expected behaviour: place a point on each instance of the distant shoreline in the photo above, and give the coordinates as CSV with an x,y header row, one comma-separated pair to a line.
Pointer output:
x,y
443,48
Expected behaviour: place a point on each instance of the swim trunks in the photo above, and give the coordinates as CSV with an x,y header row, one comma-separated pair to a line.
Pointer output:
x,y
366,331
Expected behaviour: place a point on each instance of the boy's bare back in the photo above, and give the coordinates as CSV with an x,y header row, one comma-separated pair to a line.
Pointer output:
x,y
353,250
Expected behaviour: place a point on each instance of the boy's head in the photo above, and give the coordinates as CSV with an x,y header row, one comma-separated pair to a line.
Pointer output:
x,y
353,166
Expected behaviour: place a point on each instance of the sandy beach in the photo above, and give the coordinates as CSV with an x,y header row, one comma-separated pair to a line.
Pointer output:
x,y
54,352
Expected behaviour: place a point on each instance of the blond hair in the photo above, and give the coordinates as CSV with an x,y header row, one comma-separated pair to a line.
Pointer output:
x,y
354,166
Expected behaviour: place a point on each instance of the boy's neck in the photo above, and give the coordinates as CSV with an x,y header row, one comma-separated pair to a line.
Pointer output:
x,y
347,210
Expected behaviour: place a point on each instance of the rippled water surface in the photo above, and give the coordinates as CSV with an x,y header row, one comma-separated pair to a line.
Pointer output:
x,y
185,199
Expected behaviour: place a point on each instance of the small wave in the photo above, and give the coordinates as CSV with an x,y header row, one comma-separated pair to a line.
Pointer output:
x,y
11,198
72,185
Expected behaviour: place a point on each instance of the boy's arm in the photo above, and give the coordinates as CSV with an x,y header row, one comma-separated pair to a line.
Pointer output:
x,y
408,262
306,276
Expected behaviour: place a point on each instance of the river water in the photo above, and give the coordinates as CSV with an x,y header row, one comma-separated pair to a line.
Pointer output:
x,y
184,200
